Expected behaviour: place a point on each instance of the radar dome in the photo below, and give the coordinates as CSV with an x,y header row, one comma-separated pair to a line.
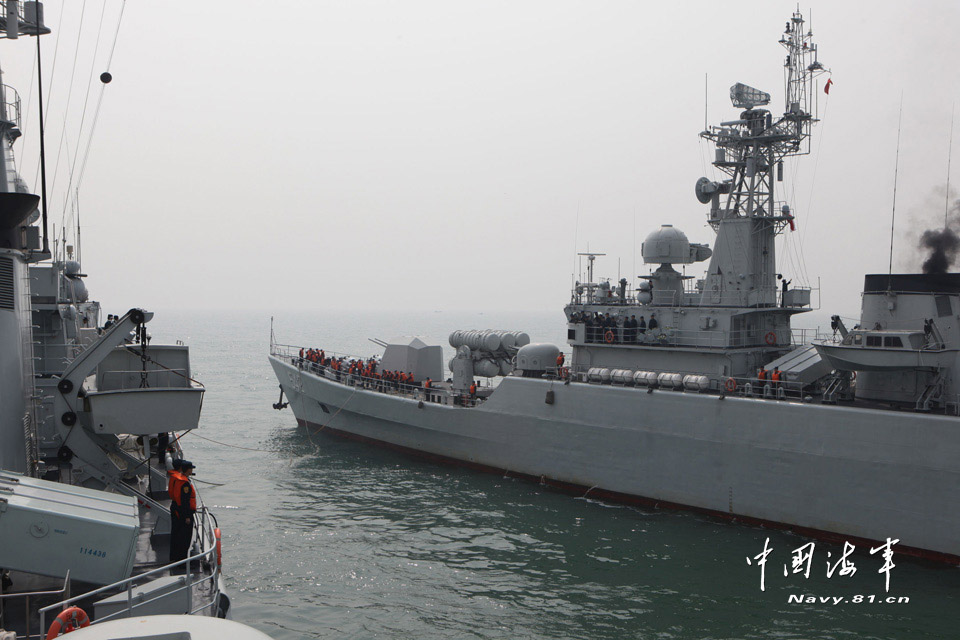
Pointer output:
x,y
666,245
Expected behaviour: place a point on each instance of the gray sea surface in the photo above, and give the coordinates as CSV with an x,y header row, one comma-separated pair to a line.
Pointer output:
x,y
327,538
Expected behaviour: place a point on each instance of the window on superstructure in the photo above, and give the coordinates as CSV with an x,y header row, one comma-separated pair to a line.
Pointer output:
x,y
874,341
857,339
943,305
893,341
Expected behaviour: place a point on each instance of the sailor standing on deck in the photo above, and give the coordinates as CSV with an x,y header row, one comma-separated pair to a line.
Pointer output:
x,y
183,504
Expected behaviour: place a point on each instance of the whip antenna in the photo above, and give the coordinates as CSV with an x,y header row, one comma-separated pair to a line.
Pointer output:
x,y
946,203
896,168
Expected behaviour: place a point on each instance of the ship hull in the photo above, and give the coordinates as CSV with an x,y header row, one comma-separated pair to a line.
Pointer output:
x,y
828,471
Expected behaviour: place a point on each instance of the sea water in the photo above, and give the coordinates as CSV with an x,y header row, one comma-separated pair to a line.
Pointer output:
x,y
327,538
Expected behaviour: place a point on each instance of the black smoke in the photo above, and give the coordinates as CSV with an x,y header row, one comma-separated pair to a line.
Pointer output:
x,y
942,245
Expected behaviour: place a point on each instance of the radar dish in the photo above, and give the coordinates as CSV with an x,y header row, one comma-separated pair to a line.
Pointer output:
x,y
745,97
704,189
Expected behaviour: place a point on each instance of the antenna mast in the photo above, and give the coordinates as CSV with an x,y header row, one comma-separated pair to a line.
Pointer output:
x,y
946,204
750,148
896,169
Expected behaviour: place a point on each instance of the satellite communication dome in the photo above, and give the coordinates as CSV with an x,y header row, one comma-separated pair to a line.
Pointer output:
x,y
666,245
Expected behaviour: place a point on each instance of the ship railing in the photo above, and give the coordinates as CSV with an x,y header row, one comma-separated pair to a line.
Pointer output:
x,y
751,387
293,351
371,383
187,583
11,107
26,595
705,338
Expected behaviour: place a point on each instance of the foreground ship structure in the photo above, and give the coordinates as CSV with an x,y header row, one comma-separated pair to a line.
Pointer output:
x,y
89,413
697,392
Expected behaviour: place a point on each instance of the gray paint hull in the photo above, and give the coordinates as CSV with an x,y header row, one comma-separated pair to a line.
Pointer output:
x,y
857,473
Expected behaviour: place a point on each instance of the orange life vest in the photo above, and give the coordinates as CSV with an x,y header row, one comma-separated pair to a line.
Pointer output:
x,y
182,489
172,477
762,375
775,376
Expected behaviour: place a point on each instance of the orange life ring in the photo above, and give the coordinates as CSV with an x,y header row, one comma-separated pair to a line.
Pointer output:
x,y
608,337
730,385
564,373
72,618
216,534
770,338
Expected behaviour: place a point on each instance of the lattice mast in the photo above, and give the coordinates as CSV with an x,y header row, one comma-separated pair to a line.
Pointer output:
x,y
744,209
753,147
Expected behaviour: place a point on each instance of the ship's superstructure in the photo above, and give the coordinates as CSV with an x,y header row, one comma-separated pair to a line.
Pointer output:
x,y
89,414
736,318
697,392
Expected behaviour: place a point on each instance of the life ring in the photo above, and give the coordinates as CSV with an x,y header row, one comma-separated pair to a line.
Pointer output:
x,y
564,373
770,338
608,337
730,385
72,618
216,535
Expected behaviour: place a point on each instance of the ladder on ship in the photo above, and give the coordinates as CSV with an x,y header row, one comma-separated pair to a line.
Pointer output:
x,y
931,395
837,387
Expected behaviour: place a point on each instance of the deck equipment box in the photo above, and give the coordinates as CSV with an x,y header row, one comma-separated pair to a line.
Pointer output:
x,y
48,528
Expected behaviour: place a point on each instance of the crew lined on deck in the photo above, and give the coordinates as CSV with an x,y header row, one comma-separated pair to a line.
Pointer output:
x,y
369,371
613,329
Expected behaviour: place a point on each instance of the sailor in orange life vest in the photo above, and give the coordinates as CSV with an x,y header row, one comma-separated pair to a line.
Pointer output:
x,y
183,504
560,360
173,472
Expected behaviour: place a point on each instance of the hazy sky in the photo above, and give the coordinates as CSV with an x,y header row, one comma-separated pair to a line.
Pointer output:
x,y
435,155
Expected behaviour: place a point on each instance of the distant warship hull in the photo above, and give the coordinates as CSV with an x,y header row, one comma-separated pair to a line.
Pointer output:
x,y
824,470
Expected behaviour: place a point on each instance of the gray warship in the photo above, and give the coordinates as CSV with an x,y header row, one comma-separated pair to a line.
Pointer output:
x,y
89,411
696,393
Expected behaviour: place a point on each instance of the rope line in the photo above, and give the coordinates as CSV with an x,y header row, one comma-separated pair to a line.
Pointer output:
x,y
86,102
324,426
96,113
225,444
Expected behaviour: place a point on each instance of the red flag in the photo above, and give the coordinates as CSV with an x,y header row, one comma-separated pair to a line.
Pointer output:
x,y
826,87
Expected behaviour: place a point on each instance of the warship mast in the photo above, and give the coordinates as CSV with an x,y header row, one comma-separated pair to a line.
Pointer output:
x,y
745,211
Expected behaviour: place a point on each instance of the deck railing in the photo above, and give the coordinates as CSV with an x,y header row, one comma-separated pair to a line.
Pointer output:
x,y
187,583
738,385
26,595
707,339
415,391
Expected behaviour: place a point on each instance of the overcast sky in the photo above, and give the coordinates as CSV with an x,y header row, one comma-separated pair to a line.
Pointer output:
x,y
456,155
